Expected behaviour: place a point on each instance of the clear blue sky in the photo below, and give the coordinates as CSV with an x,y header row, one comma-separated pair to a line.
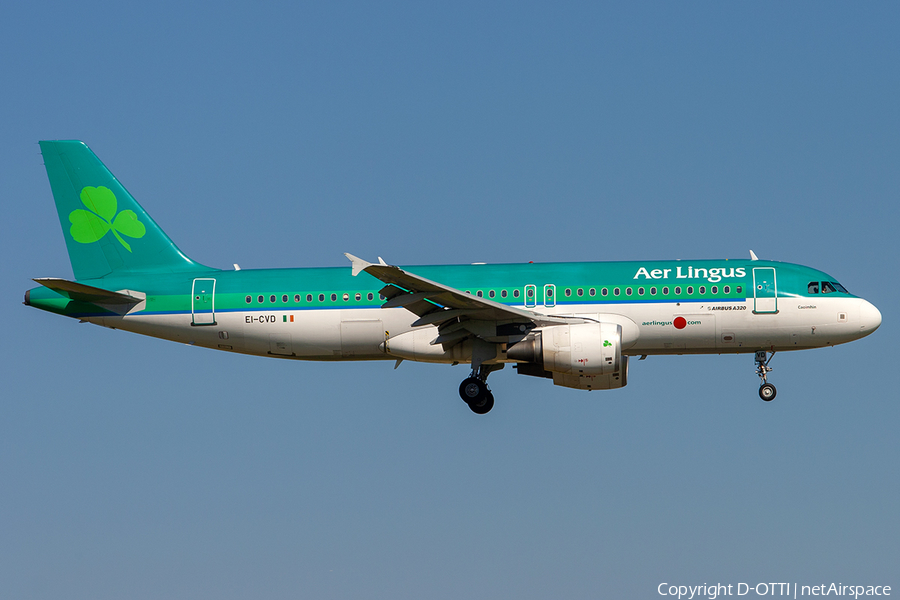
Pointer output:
x,y
281,135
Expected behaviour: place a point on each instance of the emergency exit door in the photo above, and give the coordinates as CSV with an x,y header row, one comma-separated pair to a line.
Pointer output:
x,y
203,302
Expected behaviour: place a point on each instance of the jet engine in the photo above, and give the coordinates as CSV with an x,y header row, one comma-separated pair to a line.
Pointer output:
x,y
586,356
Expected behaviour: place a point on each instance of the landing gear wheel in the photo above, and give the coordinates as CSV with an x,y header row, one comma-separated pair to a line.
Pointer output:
x,y
473,390
762,360
485,406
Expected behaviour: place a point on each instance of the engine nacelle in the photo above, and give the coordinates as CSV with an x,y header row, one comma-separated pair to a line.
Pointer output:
x,y
584,349
586,356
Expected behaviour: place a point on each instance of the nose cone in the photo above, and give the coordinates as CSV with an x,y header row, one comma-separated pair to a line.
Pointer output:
x,y
869,318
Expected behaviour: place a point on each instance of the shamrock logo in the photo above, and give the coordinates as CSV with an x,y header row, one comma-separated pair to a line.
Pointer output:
x,y
89,226
606,343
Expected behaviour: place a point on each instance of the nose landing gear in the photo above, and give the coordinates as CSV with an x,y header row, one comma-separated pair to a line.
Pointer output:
x,y
766,390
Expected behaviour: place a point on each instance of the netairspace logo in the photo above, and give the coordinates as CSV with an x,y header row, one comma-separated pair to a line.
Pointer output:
x,y
771,589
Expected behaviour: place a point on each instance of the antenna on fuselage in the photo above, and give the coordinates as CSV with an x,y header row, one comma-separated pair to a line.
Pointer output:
x,y
753,255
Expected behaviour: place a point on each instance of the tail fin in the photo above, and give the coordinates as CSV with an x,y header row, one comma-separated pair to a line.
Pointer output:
x,y
106,230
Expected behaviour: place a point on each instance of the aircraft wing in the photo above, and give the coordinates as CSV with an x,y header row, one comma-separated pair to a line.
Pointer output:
x,y
437,304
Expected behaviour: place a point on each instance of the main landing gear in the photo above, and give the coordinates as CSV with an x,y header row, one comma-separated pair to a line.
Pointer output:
x,y
766,390
475,392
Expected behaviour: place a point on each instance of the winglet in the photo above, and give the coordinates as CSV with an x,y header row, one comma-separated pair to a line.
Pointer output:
x,y
753,255
357,264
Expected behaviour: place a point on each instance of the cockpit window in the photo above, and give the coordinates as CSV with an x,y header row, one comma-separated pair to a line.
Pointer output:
x,y
828,287
813,287
839,287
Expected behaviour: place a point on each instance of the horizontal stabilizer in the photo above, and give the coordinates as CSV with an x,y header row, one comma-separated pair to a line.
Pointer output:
x,y
86,293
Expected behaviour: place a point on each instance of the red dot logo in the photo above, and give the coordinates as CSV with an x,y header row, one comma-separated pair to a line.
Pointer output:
x,y
680,323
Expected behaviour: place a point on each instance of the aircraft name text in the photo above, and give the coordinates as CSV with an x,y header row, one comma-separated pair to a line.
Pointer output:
x,y
713,275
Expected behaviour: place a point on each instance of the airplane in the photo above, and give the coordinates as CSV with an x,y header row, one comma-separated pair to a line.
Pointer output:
x,y
574,323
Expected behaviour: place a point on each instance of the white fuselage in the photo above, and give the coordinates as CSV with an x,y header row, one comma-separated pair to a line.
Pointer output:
x,y
651,328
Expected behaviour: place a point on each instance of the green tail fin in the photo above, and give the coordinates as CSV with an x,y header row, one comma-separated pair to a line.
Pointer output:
x,y
106,230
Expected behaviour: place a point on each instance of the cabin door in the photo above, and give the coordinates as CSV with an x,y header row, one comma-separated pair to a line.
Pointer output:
x,y
765,291
203,302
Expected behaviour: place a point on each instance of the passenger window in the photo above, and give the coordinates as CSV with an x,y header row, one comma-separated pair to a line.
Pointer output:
x,y
284,298
604,292
827,288
739,289
321,297
515,293
715,289
478,293
702,289
503,293
249,299
309,297
260,299
370,296
530,292
334,297
568,292
665,291
272,298
653,291
690,289
677,290
627,291
640,291
616,292
580,292
346,297
813,287
491,293
592,292
358,296
727,289
296,297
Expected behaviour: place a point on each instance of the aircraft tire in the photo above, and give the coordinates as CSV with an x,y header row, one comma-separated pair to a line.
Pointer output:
x,y
485,406
472,390
767,392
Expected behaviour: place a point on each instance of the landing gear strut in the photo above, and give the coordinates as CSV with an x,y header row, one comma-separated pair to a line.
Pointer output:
x,y
766,390
475,392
